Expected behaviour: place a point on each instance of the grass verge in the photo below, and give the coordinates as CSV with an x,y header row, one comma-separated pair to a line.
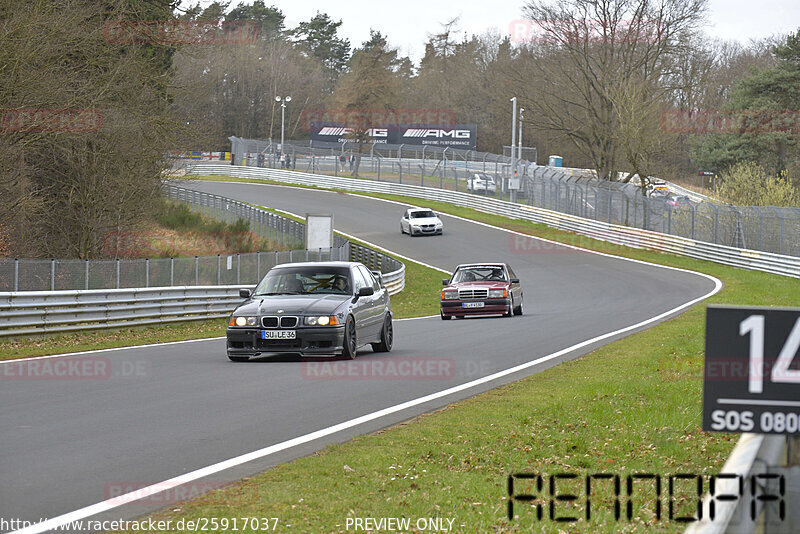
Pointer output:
x,y
633,406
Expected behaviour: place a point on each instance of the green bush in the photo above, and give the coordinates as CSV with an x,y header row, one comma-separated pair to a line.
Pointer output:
x,y
748,184
179,217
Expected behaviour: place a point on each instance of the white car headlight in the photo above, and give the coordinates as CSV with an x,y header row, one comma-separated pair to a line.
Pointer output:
x,y
243,320
449,295
322,320
497,293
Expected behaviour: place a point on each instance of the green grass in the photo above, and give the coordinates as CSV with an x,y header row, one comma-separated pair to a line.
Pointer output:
x,y
633,406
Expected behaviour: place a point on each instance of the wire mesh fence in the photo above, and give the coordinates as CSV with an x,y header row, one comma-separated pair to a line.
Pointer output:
x,y
765,228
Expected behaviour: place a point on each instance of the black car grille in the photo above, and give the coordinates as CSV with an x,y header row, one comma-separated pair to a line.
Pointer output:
x,y
473,293
288,321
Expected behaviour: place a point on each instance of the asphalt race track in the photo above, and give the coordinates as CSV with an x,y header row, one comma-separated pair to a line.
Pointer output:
x,y
156,412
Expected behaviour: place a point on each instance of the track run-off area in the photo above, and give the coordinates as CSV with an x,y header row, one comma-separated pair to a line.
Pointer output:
x,y
168,414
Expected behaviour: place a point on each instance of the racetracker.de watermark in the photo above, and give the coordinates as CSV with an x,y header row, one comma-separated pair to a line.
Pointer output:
x,y
704,121
404,368
50,120
364,118
565,32
71,368
600,241
181,32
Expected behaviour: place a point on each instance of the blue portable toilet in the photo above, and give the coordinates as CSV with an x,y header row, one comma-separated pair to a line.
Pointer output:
x,y
555,161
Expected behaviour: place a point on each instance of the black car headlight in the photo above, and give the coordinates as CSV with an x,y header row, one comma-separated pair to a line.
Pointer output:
x,y
243,320
322,320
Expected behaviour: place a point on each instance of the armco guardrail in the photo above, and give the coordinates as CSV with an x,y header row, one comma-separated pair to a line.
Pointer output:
x,y
37,312
622,235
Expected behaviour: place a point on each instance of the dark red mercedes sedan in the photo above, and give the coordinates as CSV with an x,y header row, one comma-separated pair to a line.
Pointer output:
x,y
481,289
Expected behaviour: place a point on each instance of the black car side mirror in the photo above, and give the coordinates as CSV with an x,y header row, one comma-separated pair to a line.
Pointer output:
x,y
365,291
244,293
445,282
515,280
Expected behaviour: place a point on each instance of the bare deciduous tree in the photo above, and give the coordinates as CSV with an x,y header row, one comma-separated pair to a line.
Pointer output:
x,y
587,48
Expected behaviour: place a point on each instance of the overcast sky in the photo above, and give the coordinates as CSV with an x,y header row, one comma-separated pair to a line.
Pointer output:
x,y
407,23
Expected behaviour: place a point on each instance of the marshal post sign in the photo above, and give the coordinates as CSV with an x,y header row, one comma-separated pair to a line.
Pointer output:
x,y
752,370
462,136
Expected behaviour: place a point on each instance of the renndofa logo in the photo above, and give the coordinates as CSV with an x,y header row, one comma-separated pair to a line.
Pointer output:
x,y
337,131
421,132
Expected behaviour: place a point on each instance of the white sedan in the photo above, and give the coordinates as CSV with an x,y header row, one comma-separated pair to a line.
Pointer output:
x,y
420,221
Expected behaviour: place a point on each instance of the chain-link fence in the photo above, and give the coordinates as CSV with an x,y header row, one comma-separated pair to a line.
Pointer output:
x,y
766,228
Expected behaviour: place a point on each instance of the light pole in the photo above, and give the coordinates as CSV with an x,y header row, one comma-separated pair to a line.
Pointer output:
x,y
283,100
519,140
513,133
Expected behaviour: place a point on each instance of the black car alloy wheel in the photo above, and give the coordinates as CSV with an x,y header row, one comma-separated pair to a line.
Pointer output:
x,y
387,336
350,343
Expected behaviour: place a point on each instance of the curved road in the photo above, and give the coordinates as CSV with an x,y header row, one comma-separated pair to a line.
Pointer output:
x,y
152,413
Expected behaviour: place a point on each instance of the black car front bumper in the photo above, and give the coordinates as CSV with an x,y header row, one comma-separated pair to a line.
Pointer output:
x,y
455,308
309,341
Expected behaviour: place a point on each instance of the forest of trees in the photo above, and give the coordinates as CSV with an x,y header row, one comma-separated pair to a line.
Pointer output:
x,y
612,85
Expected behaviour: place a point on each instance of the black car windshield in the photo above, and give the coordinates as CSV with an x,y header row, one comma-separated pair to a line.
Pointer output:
x,y
305,280
482,273
422,214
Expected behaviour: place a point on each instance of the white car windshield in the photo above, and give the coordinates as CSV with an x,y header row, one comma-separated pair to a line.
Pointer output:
x,y
422,214
483,273
305,280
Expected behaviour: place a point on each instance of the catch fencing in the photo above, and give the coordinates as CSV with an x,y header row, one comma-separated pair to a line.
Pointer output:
x,y
598,229
762,228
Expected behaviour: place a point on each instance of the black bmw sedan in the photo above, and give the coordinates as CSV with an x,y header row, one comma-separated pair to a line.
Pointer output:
x,y
312,309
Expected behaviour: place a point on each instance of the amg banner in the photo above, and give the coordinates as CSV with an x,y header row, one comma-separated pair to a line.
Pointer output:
x,y
455,135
